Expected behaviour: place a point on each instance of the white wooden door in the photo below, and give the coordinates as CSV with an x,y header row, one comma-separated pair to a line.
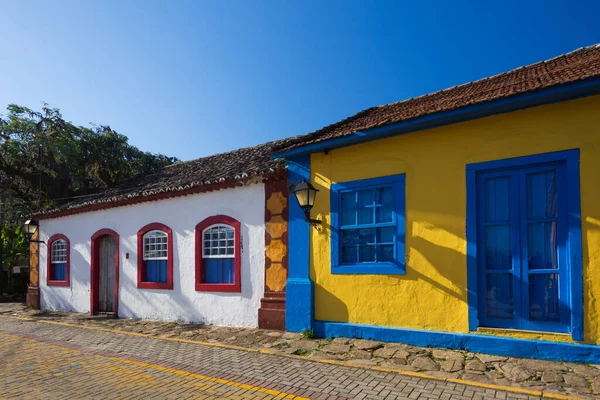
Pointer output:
x,y
106,298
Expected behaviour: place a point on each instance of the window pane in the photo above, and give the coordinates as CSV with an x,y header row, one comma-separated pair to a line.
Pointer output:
x,y
366,253
542,246
386,235
497,203
348,200
366,198
365,215
367,236
543,297
499,296
541,195
350,237
385,253
385,195
384,213
498,249
222,243
59,251
348,217
349,255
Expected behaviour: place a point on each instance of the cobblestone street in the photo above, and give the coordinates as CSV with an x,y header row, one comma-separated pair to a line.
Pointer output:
x,y
50,360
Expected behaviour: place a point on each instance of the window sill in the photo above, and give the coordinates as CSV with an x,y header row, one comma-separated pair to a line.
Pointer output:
x,y
387,268
219,287
57,283
155,285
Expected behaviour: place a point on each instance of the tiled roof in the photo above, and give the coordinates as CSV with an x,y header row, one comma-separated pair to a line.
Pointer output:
x,y
575,66
218,171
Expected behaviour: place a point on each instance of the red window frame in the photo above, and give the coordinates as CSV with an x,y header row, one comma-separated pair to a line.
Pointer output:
x,y
141,284
67,281
236,286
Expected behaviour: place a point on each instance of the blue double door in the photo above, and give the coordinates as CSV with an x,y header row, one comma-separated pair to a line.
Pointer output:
x,y
523,276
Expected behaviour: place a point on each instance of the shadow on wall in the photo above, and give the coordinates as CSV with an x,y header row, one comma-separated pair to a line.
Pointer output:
x,y
434,256
179,303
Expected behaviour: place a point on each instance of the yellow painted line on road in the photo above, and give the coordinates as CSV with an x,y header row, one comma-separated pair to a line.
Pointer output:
x,y
332,362
166,369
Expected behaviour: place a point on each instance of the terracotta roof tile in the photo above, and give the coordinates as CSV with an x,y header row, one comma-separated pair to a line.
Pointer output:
x,y
232,168
578,65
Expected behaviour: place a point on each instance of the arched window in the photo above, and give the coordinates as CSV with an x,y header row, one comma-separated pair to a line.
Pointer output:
x,y
218,255
155,257
58,261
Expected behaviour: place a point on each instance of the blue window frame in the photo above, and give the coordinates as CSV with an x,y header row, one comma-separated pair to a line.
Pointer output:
x,y
524,244
368,226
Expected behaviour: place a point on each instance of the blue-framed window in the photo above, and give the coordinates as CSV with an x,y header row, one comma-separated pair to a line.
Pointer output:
x,y
524,243
368,226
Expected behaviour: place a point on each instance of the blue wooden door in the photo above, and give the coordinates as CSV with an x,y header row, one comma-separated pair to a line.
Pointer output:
x,y
523,273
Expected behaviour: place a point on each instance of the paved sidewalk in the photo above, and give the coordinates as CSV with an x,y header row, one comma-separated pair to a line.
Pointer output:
x,y
50,360
567,379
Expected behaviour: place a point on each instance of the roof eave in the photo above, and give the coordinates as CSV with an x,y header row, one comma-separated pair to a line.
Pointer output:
x,y
540,97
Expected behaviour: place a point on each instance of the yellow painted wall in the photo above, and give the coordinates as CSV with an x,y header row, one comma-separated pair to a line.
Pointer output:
x,y
433,293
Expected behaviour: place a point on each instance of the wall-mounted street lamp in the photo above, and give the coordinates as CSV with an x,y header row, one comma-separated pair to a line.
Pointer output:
x,y
31,227
305,194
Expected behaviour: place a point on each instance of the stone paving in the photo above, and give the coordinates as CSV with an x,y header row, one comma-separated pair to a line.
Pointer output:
x,y
573,380
49,360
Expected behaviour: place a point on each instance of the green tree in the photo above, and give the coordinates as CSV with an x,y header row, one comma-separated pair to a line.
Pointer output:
x,y
45,160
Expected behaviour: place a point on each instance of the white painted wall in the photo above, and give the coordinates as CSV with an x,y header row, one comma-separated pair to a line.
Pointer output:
x,y
181,214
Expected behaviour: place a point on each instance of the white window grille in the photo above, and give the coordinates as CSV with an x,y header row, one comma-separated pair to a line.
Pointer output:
x,y
219,241
59,251
155,246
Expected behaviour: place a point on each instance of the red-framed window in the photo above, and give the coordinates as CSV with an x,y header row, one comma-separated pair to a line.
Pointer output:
x,y
58,270
218,255
155,257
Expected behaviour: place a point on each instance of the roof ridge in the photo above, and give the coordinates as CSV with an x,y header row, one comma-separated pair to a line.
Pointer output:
x,y
579,64
542,62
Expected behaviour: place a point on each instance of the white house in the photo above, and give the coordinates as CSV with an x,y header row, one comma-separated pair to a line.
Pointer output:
x,y
185,244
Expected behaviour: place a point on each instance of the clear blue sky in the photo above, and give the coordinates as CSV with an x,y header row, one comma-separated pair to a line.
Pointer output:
x,y
192,78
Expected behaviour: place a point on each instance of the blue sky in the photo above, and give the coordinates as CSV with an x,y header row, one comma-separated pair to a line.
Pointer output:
x,y
192,78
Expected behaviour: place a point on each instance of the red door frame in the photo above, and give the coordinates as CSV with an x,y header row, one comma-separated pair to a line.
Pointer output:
x,y
95,269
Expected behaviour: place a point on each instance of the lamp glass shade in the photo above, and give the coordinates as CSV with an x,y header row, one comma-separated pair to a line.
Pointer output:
x,y
31,227
305,194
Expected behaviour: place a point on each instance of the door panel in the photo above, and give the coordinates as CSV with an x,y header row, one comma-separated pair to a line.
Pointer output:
x,y
107,270
523,281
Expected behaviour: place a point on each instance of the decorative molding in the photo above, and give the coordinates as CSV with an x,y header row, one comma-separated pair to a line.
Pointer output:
x,y
271,314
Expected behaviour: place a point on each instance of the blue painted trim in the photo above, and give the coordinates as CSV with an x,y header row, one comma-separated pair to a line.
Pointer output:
x,y
571,160
299,305
471,232
574,243
398,267
531,99
478,343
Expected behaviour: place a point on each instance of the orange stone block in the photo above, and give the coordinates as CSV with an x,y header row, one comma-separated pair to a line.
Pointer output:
x,y
276,250
276,203
276,227
276,277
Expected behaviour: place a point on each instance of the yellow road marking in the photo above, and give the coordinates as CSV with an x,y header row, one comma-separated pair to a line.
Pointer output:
x,y
333,362
165,369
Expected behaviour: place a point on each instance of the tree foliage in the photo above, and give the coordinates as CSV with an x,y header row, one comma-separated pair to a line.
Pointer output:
x,y
45,160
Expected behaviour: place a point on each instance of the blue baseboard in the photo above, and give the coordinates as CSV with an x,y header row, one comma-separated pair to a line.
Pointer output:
x,y
477,343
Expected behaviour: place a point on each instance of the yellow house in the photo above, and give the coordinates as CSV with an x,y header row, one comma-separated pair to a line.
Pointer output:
x,y
466,218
